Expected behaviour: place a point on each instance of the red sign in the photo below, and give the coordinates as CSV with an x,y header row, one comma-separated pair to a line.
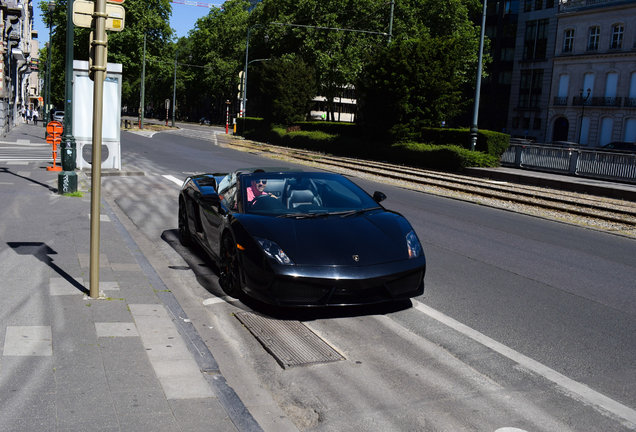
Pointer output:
x,y
115,1
54,128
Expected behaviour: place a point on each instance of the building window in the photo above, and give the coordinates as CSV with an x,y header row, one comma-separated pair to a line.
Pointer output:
x,y
536,39
515,122
536,124
526,123
617,36
505,77
527,7
595,35
507,54
549,4
530,88
568,41
538,5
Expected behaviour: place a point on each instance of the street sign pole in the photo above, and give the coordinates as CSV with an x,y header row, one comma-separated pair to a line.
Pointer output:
x,y
68,178
99,70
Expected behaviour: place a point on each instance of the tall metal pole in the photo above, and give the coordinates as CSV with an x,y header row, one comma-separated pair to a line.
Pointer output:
x,y
473,128
244,82
67,178
391,21
99,70
143,91
47,109
174,88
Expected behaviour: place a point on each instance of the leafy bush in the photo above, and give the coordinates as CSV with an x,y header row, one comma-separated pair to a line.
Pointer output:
x,y
492,143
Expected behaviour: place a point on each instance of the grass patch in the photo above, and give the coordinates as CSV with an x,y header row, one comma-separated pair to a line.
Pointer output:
x,y
78,194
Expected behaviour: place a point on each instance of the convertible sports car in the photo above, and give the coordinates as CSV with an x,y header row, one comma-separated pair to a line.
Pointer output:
x,y
295,238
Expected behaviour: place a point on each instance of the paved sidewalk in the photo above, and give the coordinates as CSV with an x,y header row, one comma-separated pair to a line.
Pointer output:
x,y
123,362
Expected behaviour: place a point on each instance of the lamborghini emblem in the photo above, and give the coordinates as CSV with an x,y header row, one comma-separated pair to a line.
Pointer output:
x,y
356,258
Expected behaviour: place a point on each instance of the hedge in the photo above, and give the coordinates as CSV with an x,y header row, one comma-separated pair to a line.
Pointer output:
x,y
324,137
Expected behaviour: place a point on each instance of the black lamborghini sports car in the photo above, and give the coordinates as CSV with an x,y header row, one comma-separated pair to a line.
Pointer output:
x,y
295,238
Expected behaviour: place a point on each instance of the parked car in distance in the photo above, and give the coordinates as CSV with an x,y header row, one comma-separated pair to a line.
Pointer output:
x,y
620,145
58,116
204,120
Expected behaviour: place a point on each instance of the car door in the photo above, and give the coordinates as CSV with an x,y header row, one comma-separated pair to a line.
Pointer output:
x,y
214,210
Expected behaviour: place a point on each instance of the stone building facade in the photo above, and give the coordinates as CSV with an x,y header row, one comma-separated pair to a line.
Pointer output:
x,y
16,46
593,91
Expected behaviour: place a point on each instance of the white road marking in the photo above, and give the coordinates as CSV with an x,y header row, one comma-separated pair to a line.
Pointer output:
x,y
174,179
215,300
582,391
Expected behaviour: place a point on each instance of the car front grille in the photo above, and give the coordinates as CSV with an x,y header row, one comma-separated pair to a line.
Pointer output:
x,y
406,283
298,291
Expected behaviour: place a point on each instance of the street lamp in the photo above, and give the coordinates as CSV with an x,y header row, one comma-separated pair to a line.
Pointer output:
x,y
583,102
47,102
244,83
473,128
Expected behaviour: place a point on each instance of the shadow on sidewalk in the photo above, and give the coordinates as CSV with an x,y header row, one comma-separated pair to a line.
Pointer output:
x,y
8,171
42,251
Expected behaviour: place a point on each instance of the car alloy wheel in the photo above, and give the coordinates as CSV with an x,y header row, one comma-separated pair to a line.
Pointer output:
x,y
184,230
230,274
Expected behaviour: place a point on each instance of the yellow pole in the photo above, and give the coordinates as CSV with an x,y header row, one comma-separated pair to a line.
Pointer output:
x,y
98,70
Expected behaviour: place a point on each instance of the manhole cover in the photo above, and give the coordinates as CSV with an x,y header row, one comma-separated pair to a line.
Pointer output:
x,y
290,342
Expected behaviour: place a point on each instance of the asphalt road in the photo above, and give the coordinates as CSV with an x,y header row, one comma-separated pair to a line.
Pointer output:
x,y
518,312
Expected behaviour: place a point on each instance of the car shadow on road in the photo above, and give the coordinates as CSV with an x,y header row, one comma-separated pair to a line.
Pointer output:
x,y
207,275
197,260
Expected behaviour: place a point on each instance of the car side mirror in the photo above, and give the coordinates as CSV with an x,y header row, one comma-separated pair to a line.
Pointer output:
x,y
378,196
210,200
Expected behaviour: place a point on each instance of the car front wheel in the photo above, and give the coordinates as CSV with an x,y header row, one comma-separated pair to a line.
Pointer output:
x,y
184,229
230,272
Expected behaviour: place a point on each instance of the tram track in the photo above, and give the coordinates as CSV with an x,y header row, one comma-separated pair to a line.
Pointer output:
x,y
617,215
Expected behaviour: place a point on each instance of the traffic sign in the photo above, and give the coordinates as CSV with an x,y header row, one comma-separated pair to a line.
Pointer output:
x,y
55,129
83,15
54,140
115,1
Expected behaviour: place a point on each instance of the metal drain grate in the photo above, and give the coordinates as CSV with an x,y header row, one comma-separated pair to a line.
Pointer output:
x,y
290,342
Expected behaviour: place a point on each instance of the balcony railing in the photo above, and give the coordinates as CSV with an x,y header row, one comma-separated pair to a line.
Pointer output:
x,y
630,102
597,101
562,101
566,5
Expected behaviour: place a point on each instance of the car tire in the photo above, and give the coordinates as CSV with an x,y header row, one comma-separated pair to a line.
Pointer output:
x,y
184,230
230,275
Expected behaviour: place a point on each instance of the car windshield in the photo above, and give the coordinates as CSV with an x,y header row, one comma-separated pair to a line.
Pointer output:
x,y
303,195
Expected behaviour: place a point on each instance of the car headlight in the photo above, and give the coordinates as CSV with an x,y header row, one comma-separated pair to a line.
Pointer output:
x,y
413,245
274,252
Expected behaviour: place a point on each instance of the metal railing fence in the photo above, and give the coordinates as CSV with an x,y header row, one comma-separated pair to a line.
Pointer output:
x,y
573,161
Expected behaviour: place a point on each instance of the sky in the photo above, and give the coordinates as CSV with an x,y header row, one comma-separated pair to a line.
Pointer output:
x,y
183,18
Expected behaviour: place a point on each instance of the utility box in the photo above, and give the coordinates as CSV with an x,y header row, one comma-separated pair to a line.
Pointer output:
x,y
83,90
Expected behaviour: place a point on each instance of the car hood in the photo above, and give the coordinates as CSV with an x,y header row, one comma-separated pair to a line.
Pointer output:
x,y
373,238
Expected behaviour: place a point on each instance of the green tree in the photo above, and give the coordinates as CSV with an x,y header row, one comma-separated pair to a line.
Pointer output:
x,y
218,44
125,47
418,80
412,84
287,88
335,55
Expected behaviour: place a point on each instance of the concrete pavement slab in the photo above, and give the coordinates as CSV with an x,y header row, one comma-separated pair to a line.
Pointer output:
x,y
28,341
